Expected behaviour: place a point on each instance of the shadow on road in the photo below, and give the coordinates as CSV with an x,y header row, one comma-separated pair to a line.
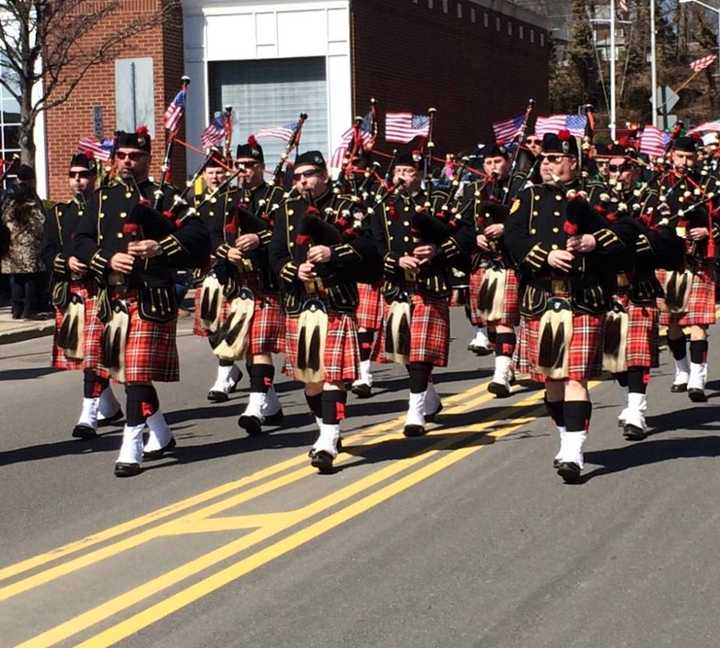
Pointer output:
x,y
26,374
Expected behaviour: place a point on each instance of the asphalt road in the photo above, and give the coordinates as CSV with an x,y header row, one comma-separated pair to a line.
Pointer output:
x,y
463,538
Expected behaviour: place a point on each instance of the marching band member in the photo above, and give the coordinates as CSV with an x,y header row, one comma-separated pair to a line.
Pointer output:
x,y
131,250
73,293
563,250
318,268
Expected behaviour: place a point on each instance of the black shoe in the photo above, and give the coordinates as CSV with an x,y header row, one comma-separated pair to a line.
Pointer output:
x,y
431,417
127,469
217,396
323,461
697,395
158,454
480,350
82,431
38,317
499,389
362,390
556,463
275,419
679,389
111,419
251,424
414,430
569,471
634,433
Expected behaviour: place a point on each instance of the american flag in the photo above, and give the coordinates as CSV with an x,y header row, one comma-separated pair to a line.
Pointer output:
x,y
506,131
405,127
101,150
653,141
701,63
576,124
283,133
706,126
214,134
175,110
347,138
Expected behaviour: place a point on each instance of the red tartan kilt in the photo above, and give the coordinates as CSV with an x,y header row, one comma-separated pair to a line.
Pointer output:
x,y
429,330
59,361
198,327
369,313
585,359
701,305
267,331
642,337
511,307
150,353
342,353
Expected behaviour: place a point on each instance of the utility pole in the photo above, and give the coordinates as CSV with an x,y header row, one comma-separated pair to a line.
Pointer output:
x,y
653,65
613,113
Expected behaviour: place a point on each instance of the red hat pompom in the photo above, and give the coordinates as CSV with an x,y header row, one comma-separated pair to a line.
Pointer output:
x,y
90,155
695,137
142,130
252,141
130,228
564,135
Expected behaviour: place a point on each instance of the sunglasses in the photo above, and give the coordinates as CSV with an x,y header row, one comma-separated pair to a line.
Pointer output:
x,y
310,173
134,156
618,168
533,140
553,159
78,175
246,165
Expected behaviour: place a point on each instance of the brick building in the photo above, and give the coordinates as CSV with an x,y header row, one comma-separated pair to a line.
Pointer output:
x,y
474,60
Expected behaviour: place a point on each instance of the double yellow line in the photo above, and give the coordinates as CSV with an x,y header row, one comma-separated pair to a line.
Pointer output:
x,y
417,467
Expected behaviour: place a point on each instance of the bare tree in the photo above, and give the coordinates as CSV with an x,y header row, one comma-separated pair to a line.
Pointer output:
x,y
47,47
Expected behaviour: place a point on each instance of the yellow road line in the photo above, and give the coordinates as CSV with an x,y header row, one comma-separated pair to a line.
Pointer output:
x,y
159,514
170,528
138,594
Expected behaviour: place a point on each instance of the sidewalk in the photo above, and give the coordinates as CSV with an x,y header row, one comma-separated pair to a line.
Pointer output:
x,y
18,330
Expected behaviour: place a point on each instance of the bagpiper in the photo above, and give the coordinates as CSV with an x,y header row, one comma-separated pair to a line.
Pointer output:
x,y
689,293
214,205
73,294
563,250
418,249
132,237
318,256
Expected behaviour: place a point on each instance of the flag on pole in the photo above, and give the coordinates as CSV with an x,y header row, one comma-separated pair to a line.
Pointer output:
x,y
706,126
405,127
653,141
101,150
283,133
700,64
576,124
506,131
214,134
175,111
347,138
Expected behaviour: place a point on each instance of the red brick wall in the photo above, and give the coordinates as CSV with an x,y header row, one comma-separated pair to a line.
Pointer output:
x,y
411,57
69,122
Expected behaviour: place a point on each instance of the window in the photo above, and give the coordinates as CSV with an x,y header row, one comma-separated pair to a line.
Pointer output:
x,y
430,4
270,94
486,19
521,32
135,94
497,23
445,6
9,120
459,10
542,40
509,28
532,35
473,15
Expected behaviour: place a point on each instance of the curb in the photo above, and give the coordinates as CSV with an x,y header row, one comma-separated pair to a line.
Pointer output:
x,y
20,335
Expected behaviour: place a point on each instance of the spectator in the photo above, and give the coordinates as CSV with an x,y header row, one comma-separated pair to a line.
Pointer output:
x,y
23,218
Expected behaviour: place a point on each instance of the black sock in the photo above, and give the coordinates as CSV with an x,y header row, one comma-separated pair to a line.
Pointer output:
x,y
142,402
261,377
419,373
365,340
505,344
333,406
492,335
556,411
315,404
577,415
622,378
698,351
638,379
93,385
678,347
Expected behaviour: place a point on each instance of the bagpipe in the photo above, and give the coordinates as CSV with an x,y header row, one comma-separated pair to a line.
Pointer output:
x,y
279,172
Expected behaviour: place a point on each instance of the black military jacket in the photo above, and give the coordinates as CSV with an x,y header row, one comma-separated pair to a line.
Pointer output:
x,y
535,227
60,228
395,237
290,244
103,231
